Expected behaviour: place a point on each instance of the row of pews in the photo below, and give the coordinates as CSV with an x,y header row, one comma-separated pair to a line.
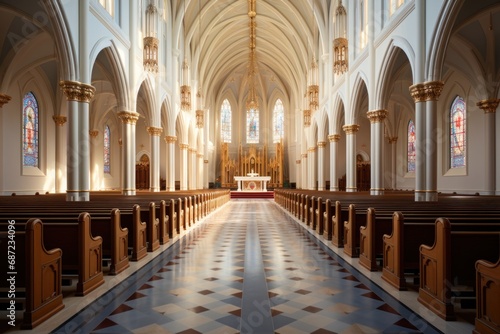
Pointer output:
x,y
49,242
449,250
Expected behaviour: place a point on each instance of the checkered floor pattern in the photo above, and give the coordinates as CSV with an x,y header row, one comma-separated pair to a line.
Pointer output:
x,y
250,268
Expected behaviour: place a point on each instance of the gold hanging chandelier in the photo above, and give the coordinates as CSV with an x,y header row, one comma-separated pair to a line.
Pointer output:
x,y
340,45
313,77
252,100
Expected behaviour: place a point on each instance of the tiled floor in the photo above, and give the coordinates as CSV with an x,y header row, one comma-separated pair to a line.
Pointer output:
x,y
250,268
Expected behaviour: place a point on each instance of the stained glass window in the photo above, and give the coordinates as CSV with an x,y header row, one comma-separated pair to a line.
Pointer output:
x,y
412,152
458,138
225,121
278,121
107,150
252,126
30,131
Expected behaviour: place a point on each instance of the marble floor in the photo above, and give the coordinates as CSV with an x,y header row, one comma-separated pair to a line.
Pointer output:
x,y
248,268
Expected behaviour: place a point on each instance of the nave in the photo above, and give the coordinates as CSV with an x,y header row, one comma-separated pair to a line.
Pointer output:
x,y
249,268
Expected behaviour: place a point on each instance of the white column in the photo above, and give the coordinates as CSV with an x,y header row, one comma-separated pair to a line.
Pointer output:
x,y
304,171
334,142
377,118
200,176
60,146
183,166
321,165
418,93
312,170
298,172
129,120
205,174
170,175
154,176
393,141
489,107
433,91
351,130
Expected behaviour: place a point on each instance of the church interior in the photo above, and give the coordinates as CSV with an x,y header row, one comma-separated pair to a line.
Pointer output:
x,y
249,166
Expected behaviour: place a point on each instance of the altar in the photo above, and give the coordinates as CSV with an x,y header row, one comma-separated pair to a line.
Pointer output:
x,y
252,182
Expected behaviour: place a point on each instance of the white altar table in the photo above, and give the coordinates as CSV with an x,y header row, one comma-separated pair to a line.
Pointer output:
x,y
252,183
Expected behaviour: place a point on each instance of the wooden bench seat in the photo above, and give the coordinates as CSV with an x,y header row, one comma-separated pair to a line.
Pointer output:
x,y
488,297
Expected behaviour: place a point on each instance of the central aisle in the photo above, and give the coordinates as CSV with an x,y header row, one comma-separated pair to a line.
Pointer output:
x,y
250,268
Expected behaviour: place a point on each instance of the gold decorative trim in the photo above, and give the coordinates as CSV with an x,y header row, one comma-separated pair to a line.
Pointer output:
x,y
4,98
377,189
199,155
489,106
150,54
183,146
205,161
304,155
427,91
311,149
377,116
128,117
154,131
59,119
307,117
351,129
185,97
334,138
321,144
192,150
170,139
298,162
417,92
93,133
77,91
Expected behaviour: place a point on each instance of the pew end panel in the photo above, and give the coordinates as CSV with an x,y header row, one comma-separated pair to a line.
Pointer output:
x,y
393,261
488,297
119,244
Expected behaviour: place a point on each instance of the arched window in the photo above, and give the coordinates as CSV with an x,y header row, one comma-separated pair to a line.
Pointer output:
x,y
458,137
278,121
30,131
411,152
225,121
107,150
252,126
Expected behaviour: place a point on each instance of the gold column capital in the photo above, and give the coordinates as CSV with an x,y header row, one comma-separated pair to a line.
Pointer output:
x,y
351,129
311,149
59,119
489,105
298,162
417,92
321,144
304,155
426,91
4,98
392,140
205,161
376,116
154,131
128,117
93,133
184,146
170,139
77,91
334,138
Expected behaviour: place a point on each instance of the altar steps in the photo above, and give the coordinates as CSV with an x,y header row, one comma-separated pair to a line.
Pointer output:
x,y
252,194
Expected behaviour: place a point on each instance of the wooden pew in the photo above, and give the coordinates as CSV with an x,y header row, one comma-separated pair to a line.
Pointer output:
x,y
137,239
152,227
487,297
38,274
450,262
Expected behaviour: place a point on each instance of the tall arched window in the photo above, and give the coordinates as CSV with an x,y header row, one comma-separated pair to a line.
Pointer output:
x,y
30,131
252,126
225,121
107,150
278,121
411,152
458,137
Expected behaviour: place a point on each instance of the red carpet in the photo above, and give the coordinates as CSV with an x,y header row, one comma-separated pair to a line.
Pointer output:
x,y
252,194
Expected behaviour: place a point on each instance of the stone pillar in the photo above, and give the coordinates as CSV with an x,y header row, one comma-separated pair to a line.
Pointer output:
x,y
154,176
393,141
205,174
79,96
95,173
304,177
321,165
350,131
60,146
377,118
432,91
200,176
191,168
417,91
311,159
334,142
298,173
129,121
183,166
489,107
170,175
